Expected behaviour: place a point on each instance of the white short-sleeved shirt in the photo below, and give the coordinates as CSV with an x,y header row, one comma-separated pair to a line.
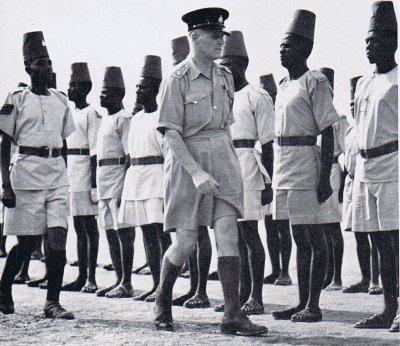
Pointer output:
x,y
254,116
35,121
144,181
351,150
303,108
376,119
112,143
87,122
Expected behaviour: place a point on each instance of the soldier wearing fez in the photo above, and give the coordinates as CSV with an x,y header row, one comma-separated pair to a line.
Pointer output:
x,y
253,112
37,119
203,183
200,259
142,195
375,186
301,179
279,239
111,150
81,154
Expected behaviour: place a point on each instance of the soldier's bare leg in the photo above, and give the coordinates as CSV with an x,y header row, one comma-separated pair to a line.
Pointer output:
x,y
273,244
3,238
285,241
335,234
92,238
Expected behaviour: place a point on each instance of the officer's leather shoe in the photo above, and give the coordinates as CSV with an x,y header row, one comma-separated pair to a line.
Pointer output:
x,y
55,310
241,325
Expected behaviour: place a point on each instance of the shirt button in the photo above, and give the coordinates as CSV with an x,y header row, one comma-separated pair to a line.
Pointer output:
x,y
215,107
195,102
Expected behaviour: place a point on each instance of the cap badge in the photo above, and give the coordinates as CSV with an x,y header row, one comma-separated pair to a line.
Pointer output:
x,y
221,20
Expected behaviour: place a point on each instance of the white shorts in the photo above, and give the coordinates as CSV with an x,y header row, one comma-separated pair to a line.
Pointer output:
x,y
108,215
332,203
301,207
2,212
81,204
375,206
144,212
253,209
347,204
36,211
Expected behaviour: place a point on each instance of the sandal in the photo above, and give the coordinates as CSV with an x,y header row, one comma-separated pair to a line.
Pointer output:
x,y
241,325
219,308
308,316
74,286
377,321
395,327
164,320
285,314
197,302
375,290
103,291
21,279
334,287
283,281
252,307
151,298
142,297
120,292
89,288
356,288
182,299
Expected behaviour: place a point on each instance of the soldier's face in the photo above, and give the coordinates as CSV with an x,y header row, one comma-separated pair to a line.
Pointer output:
x,y
76,91
379,46
109,97
40,69
291,51
145,91
234,64
209,43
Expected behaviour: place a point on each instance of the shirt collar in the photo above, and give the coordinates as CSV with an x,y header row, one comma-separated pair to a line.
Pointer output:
x,y
195,71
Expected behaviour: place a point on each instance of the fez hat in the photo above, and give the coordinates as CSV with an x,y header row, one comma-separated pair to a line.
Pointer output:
x,y
353,84
152,67
234,45
113,78
383,17
330,74
34,46
212,18
80,72
303,24
180,49
267,82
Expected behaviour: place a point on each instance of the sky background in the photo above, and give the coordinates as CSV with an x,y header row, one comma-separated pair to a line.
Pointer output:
x,y
120,33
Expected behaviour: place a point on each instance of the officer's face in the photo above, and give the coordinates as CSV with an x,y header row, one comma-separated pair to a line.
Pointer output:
x,y
379,46
109,97
209,43
291,52
40,69
145,91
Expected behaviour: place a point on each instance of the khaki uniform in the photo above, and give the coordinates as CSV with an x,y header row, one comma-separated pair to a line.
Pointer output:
x,y
375,192
200,109
40,184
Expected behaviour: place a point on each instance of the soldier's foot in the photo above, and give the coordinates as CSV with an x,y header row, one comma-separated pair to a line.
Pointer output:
x,y
74,286
3,253
182,299
53,309
241,325
6,304
21,279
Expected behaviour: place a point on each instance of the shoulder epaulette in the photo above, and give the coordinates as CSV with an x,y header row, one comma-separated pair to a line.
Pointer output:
x,y
181,70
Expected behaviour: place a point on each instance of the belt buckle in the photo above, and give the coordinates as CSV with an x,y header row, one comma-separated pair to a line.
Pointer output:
x,y
46,151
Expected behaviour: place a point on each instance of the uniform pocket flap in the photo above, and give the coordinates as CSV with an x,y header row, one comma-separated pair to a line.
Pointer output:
x,y
194,98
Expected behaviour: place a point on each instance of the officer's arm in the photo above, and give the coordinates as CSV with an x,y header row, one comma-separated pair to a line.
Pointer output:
x,y
8,197
324,187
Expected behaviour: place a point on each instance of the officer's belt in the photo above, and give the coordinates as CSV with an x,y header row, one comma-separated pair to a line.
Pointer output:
x,y
244,143
41,152
83,151
111,162
384,149
147,160
296,140
335,159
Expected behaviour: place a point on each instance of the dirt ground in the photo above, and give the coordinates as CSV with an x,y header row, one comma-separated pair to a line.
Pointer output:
x,y
101,321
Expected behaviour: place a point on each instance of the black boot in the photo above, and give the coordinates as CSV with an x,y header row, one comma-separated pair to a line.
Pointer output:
x,y
163,307
234,321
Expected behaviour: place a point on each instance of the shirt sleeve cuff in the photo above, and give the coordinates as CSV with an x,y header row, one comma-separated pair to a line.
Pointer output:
x,y
163,125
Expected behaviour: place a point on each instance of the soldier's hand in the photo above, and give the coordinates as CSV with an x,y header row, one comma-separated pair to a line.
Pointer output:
x,y
93,195
205,183
266,195
118,202
324,191
8,198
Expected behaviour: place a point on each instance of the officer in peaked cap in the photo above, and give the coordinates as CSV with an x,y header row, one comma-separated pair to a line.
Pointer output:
x,y
203,180
142,195
112,150
36,192
253,112
301,178
81,154
267,82
375,187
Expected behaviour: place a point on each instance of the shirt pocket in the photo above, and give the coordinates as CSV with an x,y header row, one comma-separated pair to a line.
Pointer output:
x,y
197,108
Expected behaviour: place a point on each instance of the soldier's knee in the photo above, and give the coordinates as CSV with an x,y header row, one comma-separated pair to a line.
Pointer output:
x,y
56,238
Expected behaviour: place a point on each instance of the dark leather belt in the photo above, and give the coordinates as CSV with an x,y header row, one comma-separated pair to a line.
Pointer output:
x,y
384,149
41,152
335,159
148,160
111,162
297,140
244,143
83,151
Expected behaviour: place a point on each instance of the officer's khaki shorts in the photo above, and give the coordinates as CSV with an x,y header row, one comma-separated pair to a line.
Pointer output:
x,y
301,207
36,211
108,215
375,206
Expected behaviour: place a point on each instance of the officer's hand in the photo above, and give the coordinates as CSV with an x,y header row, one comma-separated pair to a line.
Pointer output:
x,y
205,183
324,191
266,195
8,198
93,195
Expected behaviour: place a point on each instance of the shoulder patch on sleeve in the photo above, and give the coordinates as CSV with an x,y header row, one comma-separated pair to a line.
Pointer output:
x,y
7,109
181,70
